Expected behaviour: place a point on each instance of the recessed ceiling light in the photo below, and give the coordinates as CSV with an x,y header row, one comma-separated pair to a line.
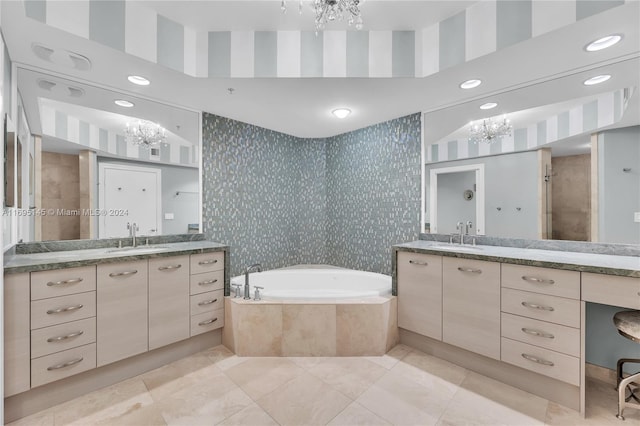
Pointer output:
x,y
597,79
488,105
603,43
123,103
470,84
341,112
139,80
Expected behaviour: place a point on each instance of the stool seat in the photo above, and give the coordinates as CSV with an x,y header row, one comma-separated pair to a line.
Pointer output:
x,y
628,324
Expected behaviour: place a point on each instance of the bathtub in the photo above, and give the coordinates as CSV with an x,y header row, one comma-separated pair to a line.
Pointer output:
x,y
312,311
316,283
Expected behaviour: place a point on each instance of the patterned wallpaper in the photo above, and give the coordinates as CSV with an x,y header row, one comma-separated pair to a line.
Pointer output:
x,y
279,200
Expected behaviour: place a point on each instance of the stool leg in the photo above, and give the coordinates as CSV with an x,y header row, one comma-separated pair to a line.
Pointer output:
x,y
622,404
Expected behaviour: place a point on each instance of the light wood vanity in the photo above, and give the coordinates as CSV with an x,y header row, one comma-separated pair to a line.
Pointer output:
x,y
524,325
117,319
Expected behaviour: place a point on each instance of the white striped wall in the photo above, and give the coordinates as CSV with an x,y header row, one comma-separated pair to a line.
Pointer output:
x,y
481,29
587,118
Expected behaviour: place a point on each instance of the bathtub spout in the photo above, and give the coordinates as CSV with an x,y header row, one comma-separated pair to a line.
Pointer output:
x,y
255,267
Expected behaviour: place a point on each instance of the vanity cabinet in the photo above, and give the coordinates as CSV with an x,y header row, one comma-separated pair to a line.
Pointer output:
x,y
17,368
58,323
63,321
206,290
611,290
541,321
168,300
471,305
122,329
420,293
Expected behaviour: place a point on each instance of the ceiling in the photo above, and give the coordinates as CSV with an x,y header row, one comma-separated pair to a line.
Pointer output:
x,y
547,69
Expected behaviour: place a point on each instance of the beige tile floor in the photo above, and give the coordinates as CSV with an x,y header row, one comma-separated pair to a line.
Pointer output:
x,y
403,387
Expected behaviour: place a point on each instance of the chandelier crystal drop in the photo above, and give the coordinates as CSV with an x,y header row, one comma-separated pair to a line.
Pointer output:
x,y
332,10
145,133
489,131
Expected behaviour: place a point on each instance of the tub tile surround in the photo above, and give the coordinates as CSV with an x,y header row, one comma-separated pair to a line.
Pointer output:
x,y
332,328
404,386
281,200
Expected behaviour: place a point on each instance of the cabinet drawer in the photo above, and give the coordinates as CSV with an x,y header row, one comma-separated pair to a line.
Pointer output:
x,y
207,302
207,321
543,361
555,282
554,309
61,282
58,310
420,293
207,262
611,290
556,337
61,337
62,364
206,282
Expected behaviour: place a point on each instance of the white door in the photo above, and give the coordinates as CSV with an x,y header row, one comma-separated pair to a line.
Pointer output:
x,y
129,194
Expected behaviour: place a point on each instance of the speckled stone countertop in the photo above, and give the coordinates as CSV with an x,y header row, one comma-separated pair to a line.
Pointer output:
x,y
628,266
32,262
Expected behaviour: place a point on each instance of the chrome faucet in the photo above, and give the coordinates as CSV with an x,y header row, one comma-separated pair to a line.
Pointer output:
x,y
133,228
460,227
255,267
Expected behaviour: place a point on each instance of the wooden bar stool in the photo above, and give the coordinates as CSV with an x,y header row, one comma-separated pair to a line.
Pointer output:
x,y
628,325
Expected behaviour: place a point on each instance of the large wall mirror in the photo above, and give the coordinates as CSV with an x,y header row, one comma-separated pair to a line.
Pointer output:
x,y
104,160
568,170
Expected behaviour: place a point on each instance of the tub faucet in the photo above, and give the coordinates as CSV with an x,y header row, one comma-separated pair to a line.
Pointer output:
x,y
133,228
255,267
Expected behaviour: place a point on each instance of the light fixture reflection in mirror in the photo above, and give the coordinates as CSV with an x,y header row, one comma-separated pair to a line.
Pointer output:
x,y
94,137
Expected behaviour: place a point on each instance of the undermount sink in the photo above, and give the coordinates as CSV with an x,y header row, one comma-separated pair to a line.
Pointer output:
x,y
455,247
138,250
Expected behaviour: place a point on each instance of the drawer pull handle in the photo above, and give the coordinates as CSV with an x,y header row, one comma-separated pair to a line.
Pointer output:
x,y
209,282
208,262
471,270
207,322
68,336
418,262
539,307
122,274
65,282
169,267
537,333
67,309
207,302
537,280
66,364
537,360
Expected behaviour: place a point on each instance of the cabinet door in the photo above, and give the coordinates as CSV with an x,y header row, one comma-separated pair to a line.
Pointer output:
x,y
121,311
471,305
420,293
17,375
168,300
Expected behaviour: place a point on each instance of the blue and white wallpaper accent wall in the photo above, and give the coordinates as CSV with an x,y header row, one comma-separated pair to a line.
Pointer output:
x,y
280,200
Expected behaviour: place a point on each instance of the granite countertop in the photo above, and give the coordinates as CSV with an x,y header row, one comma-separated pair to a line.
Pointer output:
x,y
18,263
628,266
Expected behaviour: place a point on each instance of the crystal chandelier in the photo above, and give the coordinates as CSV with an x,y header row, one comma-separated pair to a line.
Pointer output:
x,y
145,133
489,131
331,10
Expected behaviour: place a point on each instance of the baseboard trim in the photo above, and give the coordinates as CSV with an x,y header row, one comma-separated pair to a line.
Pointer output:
x,y
43,397
603,374
548,388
